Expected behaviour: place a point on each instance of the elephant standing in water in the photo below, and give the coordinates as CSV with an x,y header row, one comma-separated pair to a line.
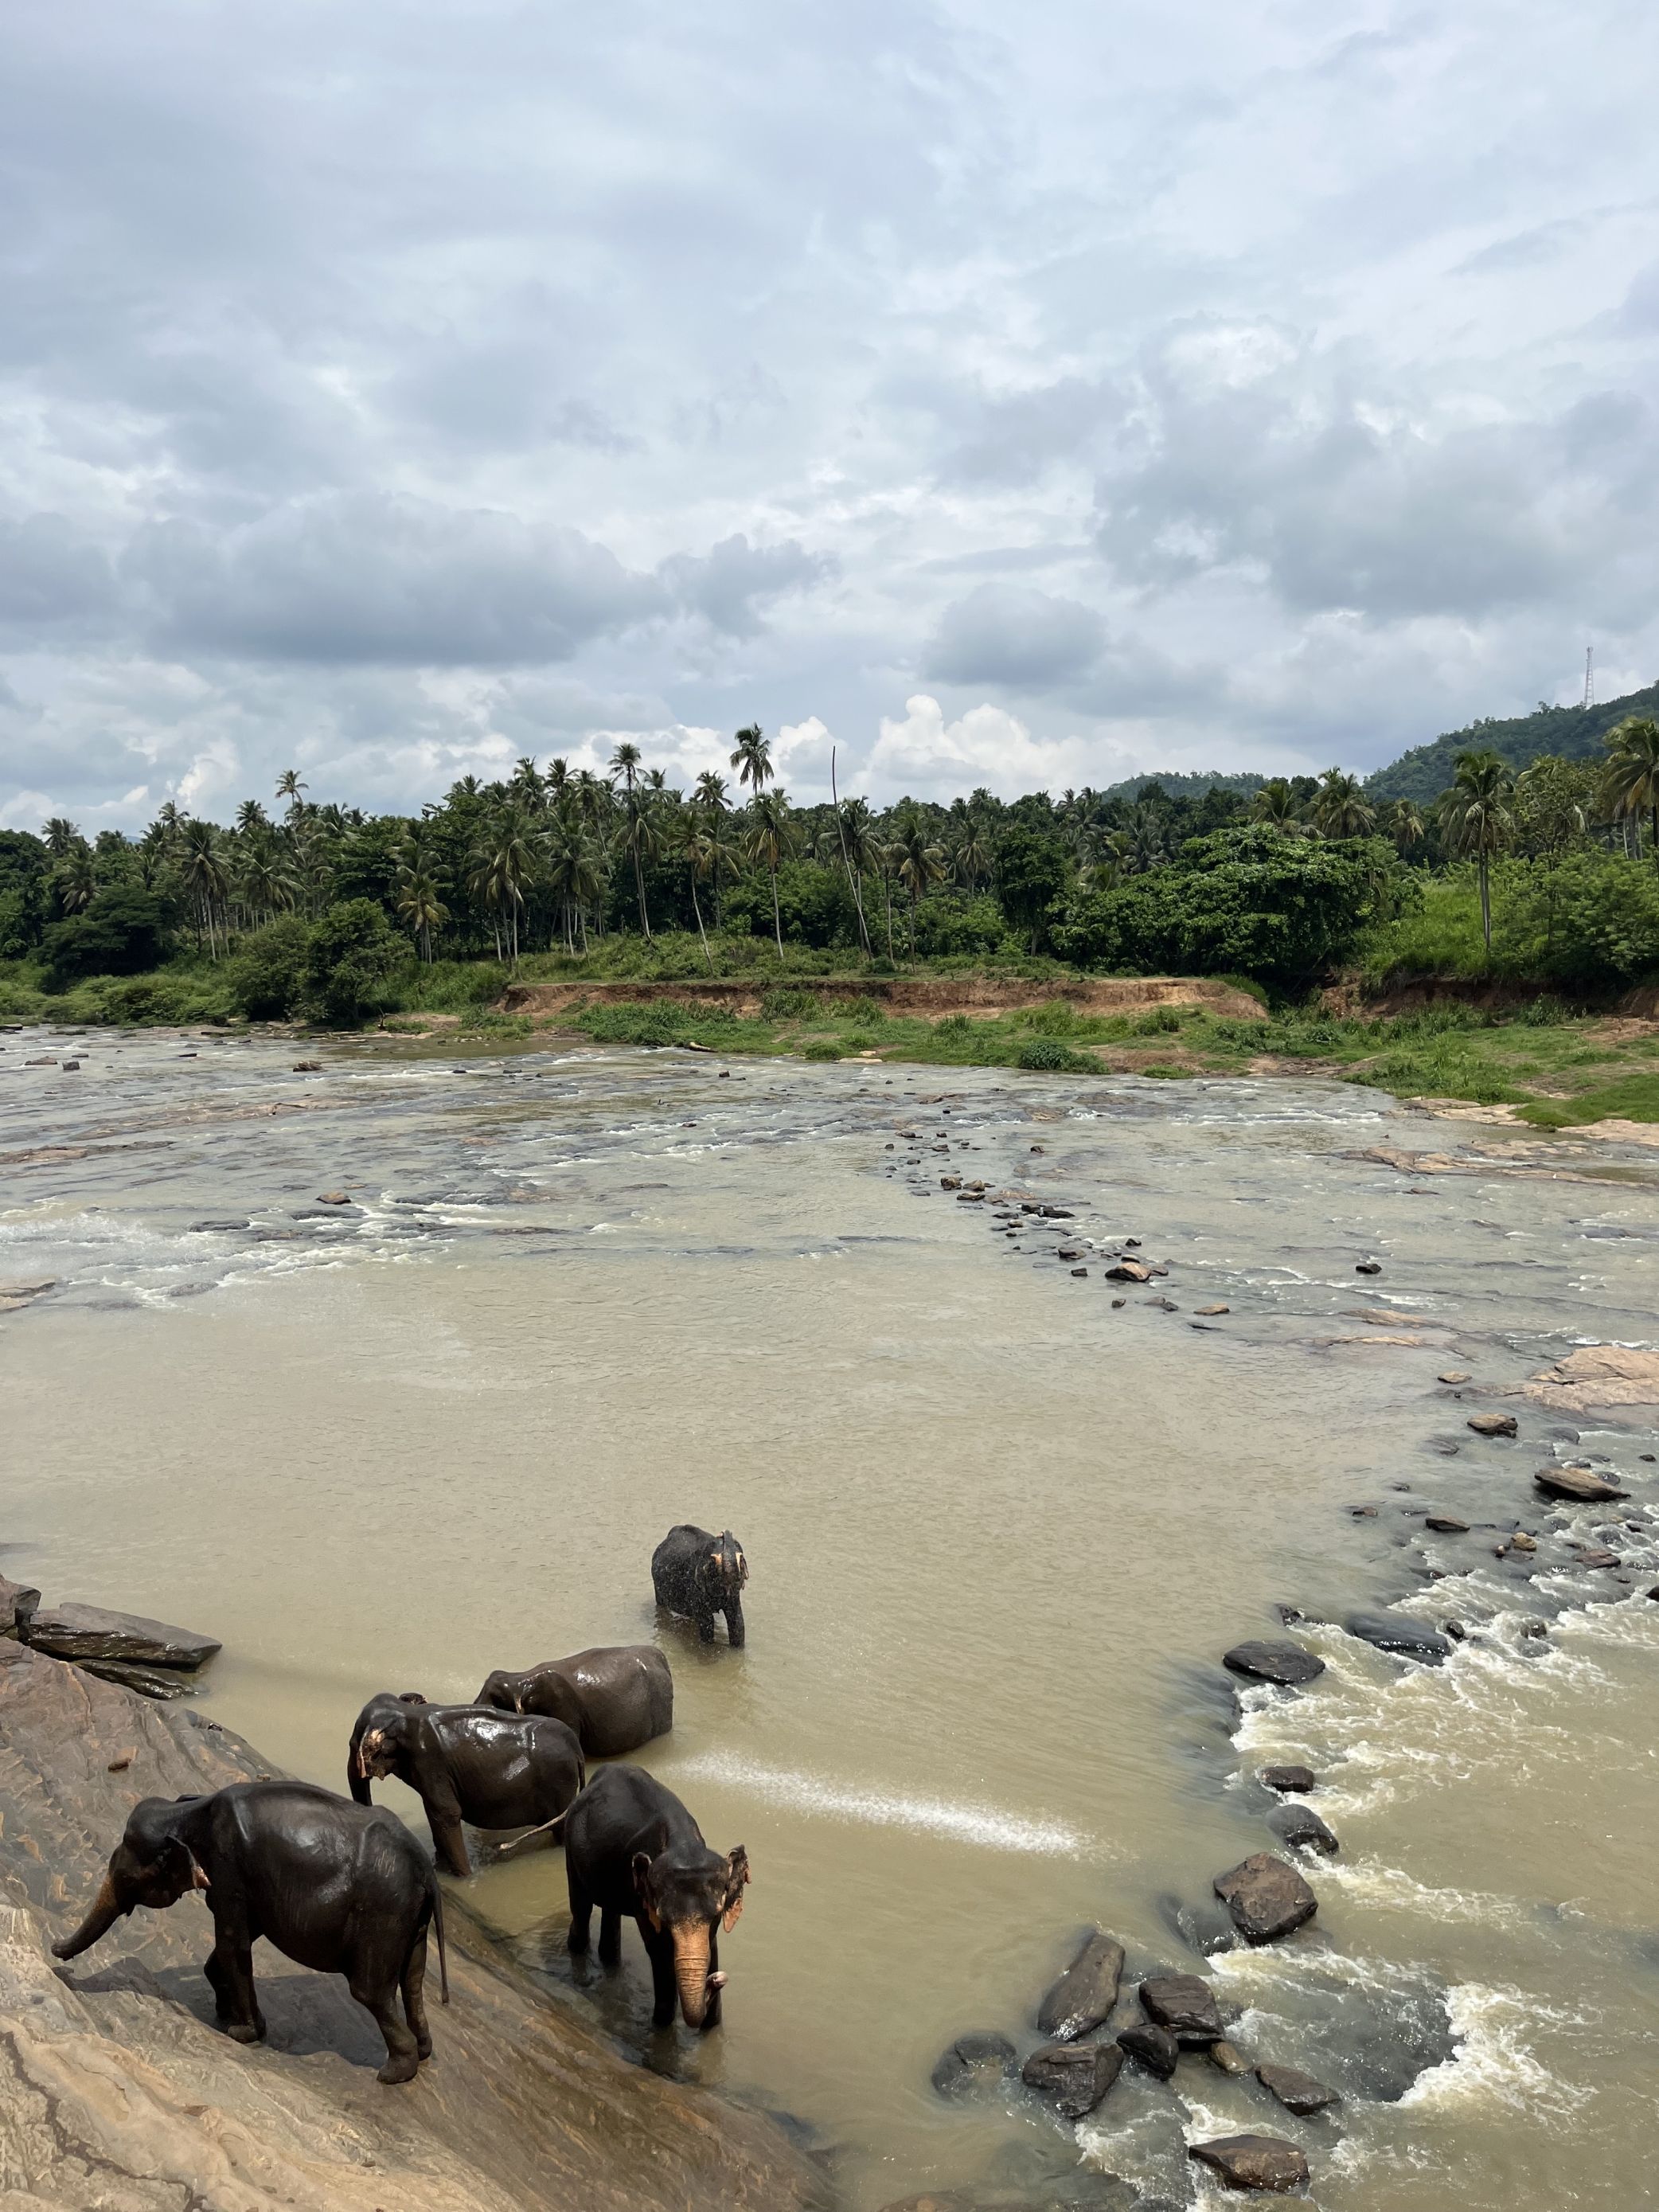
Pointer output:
x,y
616,1697
630,1846
698,1574
467,1763
333,1886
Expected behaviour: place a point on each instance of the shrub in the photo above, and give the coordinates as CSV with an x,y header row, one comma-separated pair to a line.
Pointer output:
x,y
122,932
352,956
820,1048
1049,1055
1161,1021
267,974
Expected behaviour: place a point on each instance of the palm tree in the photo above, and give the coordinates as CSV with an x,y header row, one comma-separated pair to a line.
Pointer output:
x,y
724,855
1631,783
1275,804
1338,808
970,861
1406,825
710,794
886,856
575,875
506,863
752,759
266,887
289,785
250,816
922,863
73,880
1475,818
61,836
637,834
697,850
419,904
770,835
206,876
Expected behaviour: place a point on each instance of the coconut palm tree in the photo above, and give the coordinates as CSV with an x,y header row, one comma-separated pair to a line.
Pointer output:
x,y
854,837
921,862
1475,818
1339,808
711,793
638,835
970,860
695,847
1406,825
1276,805
575,875
250,817
266,887
206,878
419,904
1631,781
289,785
503,866
73,880
61,836
769,837
751,756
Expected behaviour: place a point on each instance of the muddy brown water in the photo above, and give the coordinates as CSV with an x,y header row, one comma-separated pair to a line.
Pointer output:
x,y
999,1529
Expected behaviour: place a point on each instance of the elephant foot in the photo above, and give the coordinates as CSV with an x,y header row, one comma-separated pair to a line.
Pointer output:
x,y
243,2031
423,2047
398,2069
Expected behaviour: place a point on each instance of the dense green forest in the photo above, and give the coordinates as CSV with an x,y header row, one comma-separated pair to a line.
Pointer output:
x,y
1574,733
299,908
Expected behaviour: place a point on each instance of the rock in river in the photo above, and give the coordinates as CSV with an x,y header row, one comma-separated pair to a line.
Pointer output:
x,y
118,2090
1296,1778
1185,2004
1580,1484
1286,1663
1154,2047
1493,1425
88,1631
1073,2077
1253,2162
15,1599
1301,1827
1086,1992
1397,1632
1267,1897
1299,2093
982,2056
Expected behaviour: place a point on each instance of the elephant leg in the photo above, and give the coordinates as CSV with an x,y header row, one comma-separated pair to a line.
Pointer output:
x,y
413,1996
734,1623
239,2007
665,1987
402,2052
706,1627
610,1934
219,1981
581,1913
449,1841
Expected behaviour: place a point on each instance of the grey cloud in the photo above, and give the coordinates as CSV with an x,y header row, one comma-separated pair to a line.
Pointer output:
x,y
1011,635
730,584
51,578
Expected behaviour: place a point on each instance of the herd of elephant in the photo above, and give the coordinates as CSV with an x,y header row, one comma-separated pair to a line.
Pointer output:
x,y
342,1887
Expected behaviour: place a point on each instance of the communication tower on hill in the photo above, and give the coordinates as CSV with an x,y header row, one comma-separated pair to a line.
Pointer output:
x,y
1589,674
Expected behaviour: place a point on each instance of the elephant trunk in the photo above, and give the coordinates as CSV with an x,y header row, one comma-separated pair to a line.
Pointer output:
x,y
691,1939
107,1910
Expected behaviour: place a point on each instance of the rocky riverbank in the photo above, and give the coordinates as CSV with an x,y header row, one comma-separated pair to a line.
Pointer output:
x,y
118,2095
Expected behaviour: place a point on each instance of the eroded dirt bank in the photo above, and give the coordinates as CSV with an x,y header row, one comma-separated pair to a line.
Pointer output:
x,y
909,994
117,2095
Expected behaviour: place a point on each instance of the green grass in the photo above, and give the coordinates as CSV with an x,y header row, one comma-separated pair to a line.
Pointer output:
x,y
1635,1098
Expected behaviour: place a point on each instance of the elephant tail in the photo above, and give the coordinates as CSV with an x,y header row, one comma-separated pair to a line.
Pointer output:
x,y
438,1924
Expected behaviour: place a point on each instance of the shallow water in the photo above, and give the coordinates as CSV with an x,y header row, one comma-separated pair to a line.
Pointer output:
x,y
999,1531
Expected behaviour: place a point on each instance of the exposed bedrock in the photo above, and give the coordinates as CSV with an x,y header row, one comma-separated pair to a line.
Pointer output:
x,y
117,2088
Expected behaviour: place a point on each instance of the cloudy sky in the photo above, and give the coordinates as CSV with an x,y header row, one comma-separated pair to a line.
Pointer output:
x,y
1016,396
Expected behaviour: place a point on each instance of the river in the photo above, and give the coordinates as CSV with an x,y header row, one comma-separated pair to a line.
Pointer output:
x,y
1001,1520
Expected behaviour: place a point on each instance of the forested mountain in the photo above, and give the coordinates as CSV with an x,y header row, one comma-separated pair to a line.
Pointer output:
x,y
1571,733
1179,784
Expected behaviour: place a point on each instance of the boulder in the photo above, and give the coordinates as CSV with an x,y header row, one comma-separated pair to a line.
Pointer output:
x,y
1456,1375
1301,1827
1073,2077
333,1198
1086,1992
1297,1779
1597,1555
1447,1524
1129,1271
1152,2047
1398,1633
15,1598
1267,1897
1209,1312
1581,1485
1285,1663
1225,2059
1185,2004
1369,1268
1492,1424
1253,2162
972,2060
120,2091
1598,1375
88,1631
1299,2093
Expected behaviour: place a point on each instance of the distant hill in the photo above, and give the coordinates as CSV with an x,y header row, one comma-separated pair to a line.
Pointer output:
x,y
1576,732
1182,785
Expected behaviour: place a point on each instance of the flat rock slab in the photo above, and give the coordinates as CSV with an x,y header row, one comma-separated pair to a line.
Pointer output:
x,y
1301,1827
1299,2093
1581,1486
1598,1375
1400,1635
161,1683
1267,1897
1254,2162
1493,1425
1086,1992
1073,2077
119,2089
1185,2004
972,2059
1296,1778
88,1631
1152,2046
1287,1664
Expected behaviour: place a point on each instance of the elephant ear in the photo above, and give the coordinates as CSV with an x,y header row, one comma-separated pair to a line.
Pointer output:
x,y
738,1876
642,1871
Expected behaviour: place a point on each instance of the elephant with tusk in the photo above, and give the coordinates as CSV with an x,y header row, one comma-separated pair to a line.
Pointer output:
x,y
697,1575
468,1763
334,1886
631,1847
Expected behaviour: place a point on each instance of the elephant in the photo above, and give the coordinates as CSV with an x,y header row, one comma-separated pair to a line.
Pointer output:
x,y
616,1697
698,1574
631,1846
334,1886
468,1763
